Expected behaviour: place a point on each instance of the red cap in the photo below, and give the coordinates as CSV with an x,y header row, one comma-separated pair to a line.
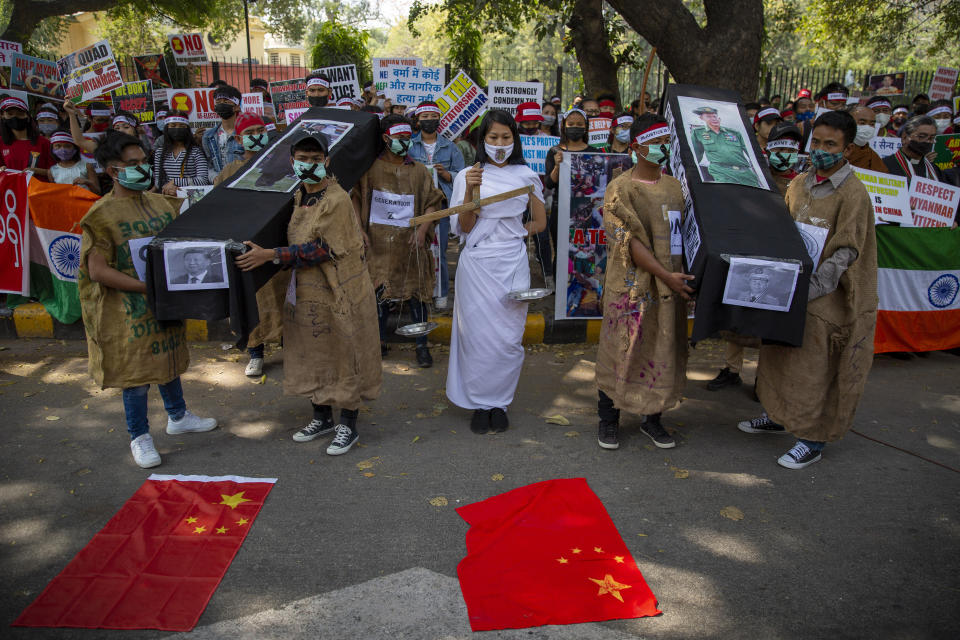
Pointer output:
x,y
786,114
607,107
804,93
247,119
529,112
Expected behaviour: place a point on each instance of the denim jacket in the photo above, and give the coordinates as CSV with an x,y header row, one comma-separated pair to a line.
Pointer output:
x,y
446,153
212,149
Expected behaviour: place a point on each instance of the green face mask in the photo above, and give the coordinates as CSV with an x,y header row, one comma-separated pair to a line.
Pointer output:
x,y
255,142
824,160
658,154
309,172
783,161
399,147
138,178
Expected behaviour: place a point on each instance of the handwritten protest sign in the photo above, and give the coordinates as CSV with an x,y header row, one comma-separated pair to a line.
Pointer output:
x,y
934,203
599,131
507,95
7,48
410,85
198,103
89,72
252,103
885,145
535,149
187,48
889,195
343,81
36,76
947,148
941,86
288,94
381,69
460,102
136,97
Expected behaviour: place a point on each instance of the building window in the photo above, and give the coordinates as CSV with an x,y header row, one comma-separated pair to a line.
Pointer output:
x,y
295,59
274,58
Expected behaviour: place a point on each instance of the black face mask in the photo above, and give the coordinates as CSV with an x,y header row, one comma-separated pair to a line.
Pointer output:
x,y
224,110
920,148
17,124
529,131
318,101
179,134
429,126
575,134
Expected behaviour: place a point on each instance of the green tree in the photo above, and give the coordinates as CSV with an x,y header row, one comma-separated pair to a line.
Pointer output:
x,y
338,44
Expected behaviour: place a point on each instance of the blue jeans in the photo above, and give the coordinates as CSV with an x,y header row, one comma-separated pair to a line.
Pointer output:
x,y
256,352
135,405
813,445
443,237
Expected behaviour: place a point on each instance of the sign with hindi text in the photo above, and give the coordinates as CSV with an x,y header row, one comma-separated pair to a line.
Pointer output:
x,y
7,48
410,85
89,72
885,145
381,69
460,102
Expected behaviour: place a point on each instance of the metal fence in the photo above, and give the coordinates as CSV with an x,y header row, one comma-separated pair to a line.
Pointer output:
x,y
787,81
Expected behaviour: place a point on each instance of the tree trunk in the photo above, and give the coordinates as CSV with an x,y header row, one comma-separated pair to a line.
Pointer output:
x,y
27,14
725,53
589,35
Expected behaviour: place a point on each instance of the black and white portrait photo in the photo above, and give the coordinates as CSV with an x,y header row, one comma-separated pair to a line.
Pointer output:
x,y
761,284
195,265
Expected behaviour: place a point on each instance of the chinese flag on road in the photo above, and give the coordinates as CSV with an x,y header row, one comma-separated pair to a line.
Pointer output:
x,y
158,561
548,553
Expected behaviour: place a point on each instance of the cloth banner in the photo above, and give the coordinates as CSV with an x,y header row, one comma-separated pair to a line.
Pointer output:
x,y
14,233
581,242
381,74
410,85
535,149
548,553
934,203
90,72
918,282
157,562
460,103
889,194
137,98
36,76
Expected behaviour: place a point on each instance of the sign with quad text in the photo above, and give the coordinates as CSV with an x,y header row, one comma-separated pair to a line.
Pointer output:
x,y
137,98
507,95
89,72
187,48
460,103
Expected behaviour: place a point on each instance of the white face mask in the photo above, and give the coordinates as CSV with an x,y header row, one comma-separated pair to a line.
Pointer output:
x,y
882,120
498,154
865,133
942,124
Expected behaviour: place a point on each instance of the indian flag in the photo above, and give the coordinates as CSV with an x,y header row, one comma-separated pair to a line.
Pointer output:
x,y
56,211
918,279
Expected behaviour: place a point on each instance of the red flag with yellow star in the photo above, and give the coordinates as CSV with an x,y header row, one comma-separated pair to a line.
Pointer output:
x,y
548,553
158,561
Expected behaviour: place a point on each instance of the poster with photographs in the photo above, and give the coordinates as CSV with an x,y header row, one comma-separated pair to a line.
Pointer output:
x,y
192,195
720,144
195,265
761,284
273,170
138,255
581,242
888,84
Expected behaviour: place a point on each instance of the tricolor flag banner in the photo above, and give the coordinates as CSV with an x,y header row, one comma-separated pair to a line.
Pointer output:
x,y
918,281
158,561
548,553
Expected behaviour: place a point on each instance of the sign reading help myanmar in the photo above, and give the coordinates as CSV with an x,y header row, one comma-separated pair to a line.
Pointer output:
x,y
381,71
36,76
343,81
410,85
14,234
460,102
197,102
187,48
90,72
507,95
889,195
535,149
137,98
934,203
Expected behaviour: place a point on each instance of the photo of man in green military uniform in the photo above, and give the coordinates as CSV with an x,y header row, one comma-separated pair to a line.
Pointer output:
x,y
721,153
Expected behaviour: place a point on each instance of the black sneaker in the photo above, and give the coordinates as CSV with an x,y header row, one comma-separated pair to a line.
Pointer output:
x,y
480,422
726,378
607,435
799,457
658,434
315,429
424,359
763,424
345,438
498,421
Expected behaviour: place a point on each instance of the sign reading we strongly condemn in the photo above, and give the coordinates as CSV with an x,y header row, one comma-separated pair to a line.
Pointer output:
x,y
89,72
187,48
507,95
460,102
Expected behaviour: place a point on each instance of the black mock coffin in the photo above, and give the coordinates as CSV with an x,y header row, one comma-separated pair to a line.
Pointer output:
x,y
238,214
733,220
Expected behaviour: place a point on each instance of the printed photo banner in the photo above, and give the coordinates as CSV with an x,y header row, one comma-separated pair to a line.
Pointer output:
x,y
947,148
381,72
289,94
7,49
933,203
343,81
197,102
885,145
14,234
36,76
581,242
90,72
889,194
535,149
410,85
136,97
888,84
153,67
460,102
942,83
187,48
507,95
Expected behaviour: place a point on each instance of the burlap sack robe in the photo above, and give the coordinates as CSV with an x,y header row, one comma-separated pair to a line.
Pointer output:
x,y
127,346
331,338
642,355
270,295
393,263
814,390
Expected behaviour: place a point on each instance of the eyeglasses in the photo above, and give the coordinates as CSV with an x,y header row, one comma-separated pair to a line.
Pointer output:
x,y
922,137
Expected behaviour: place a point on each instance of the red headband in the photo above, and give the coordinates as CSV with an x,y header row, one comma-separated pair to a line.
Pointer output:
x,y
397,129
318,81
652,132
765,113
427,108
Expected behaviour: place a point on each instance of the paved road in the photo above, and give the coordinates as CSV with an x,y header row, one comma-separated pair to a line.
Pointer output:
x,y
865,544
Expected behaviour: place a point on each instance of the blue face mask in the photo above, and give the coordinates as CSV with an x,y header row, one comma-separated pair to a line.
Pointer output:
x,y
309,172
623,136
824,160
137,178
658,154
254,142
806,115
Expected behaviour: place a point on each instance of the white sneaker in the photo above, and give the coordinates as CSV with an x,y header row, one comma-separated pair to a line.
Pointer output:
x,y
254,367
144,453
190,423
440,302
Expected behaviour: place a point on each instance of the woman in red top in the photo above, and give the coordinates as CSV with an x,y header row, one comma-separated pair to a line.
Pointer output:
x,y
21,145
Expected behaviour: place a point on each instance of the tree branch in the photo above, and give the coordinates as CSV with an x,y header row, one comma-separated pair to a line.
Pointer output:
x,y
27,14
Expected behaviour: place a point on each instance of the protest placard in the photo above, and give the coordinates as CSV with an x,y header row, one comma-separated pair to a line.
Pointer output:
x,y
507,95
137,98
460,102
187,48
35,76
381,71
535,150
291,115
89,72
942,84
252,103
885,145
153,67
288,94
599,131
343,81
947,148
198,103
410,85
888,84
7,49
934,204
889,195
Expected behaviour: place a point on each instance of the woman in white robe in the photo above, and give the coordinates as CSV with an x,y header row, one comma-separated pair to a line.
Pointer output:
x,y
486,351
